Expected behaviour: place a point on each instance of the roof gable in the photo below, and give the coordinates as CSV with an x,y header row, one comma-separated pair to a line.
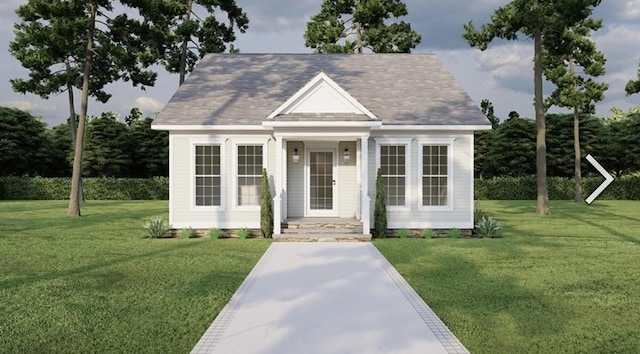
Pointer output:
x,y
321,95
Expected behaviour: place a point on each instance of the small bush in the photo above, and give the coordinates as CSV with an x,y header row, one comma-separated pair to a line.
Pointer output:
x,y
380,208
156,227
266,207
188,233
243,233
427,233
403,233
488,227
454,233
478,213
215,233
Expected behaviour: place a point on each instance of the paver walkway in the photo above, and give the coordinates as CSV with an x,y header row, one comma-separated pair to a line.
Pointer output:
x,y
326,298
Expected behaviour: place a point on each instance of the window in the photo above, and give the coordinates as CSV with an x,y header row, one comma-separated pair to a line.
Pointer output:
x,y
393,170
435,175
249,174
207,174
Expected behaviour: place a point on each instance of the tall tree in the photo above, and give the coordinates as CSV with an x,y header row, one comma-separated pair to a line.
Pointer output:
x,y
574,51
483,140
348,26
104,45
535,19
512,150
633,86
108,147
193,29
150,150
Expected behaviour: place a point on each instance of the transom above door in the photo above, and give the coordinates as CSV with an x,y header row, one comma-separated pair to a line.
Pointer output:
x,y
321,182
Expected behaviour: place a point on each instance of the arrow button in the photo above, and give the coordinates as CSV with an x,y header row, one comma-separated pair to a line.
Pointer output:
x,y
607,179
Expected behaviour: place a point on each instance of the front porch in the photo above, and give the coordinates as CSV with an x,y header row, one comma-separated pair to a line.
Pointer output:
x,y
320,229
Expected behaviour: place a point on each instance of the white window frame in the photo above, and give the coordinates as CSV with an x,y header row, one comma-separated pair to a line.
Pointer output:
x,y
261,141
407,163
192,173
449,142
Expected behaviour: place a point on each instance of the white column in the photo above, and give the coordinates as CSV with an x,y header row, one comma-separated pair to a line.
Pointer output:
x,y
277,176
364,184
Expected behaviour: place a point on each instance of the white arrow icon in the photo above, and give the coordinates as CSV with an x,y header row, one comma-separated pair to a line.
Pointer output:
x,y
607,179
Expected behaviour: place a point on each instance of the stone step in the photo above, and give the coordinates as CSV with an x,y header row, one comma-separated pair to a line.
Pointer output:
x,y
322,237
322,231
320,226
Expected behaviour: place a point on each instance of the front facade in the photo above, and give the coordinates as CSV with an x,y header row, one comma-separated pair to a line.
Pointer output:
x,y
321,126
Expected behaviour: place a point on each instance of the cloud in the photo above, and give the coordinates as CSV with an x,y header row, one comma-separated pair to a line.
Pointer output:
x,y
20,104
510,66
149,105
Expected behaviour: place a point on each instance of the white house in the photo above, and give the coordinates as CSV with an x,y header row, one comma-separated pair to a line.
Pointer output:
x,y
321,125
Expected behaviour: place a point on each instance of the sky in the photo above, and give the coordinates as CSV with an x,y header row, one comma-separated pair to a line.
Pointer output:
x,y
502,74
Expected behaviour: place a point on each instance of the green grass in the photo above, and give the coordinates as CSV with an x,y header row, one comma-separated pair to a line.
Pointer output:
x,y
93,284
569,282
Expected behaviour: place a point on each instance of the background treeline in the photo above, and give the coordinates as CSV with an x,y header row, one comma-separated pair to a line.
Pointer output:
x,y
112,148
509,149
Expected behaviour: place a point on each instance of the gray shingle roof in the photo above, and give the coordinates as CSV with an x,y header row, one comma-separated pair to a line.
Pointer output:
x,y
239,89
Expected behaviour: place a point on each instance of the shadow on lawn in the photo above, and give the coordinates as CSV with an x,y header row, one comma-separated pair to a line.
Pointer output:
x,y
30,279
479,308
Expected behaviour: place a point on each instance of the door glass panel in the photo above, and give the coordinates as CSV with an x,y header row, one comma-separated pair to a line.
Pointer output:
x,y
321,180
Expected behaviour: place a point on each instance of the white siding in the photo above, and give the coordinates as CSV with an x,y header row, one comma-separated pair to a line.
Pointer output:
x,y
460,213
295,181
183,213
347,185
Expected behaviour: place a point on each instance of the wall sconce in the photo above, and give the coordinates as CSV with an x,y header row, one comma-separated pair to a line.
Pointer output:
x,y
296,155
346,155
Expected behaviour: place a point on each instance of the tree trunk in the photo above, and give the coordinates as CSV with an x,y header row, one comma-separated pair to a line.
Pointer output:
x,y
74,200
358,31
542,206
72,124
184,48
576,144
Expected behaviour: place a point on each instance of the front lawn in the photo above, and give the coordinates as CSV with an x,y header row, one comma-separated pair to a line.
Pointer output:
x,y
93,284
569,282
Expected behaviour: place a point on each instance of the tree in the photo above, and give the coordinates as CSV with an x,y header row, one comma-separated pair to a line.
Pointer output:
x,y
97,44
513,148
487,109
633,86
535,19
189,35
108,146
380,207
482,140
22,143
60,149
574,50
134,116
348,26
560,144
266,208
149,150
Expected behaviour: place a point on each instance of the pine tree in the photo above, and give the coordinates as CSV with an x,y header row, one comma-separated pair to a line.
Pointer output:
x,y
350,26
266,207
380,207
633,86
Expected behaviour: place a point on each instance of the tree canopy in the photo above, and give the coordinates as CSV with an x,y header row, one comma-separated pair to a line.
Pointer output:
x,y
350,26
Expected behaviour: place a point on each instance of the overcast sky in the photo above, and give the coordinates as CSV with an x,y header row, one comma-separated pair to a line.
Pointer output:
x,y
503,74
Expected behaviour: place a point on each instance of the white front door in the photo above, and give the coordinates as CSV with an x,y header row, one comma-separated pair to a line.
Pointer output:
x,y
321,183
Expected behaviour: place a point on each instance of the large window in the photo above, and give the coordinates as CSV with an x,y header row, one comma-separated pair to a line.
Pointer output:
x,y
394,173
249,174
435,175
208,180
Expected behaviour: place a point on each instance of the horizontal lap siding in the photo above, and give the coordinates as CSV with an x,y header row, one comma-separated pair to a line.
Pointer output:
x,y
183,214
460,216
295,181
347,185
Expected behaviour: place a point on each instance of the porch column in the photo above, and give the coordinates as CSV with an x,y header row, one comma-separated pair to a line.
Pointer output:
x,y
364,184
277,176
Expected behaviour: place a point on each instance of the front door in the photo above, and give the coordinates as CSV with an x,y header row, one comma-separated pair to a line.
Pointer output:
x,y
321,183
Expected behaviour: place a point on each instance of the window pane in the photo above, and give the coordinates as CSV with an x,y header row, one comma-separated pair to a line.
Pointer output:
x,y
249,174
434,174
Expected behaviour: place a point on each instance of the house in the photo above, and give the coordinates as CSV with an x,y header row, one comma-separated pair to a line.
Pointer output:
x,y
321,125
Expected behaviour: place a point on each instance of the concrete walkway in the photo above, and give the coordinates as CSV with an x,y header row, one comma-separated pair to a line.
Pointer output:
x,y
326,298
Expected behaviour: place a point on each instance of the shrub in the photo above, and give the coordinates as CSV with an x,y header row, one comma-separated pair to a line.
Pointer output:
x,y
403,233
243,233
427,233
488,227
156,227
454,233
380,208
188,233
266,208
478,213
215,233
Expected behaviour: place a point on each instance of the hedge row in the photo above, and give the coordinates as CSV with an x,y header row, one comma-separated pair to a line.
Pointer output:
x,y
524,188
499,188
38,188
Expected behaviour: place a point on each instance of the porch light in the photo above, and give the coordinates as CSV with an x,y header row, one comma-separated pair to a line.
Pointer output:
x,y
296,155
346,155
